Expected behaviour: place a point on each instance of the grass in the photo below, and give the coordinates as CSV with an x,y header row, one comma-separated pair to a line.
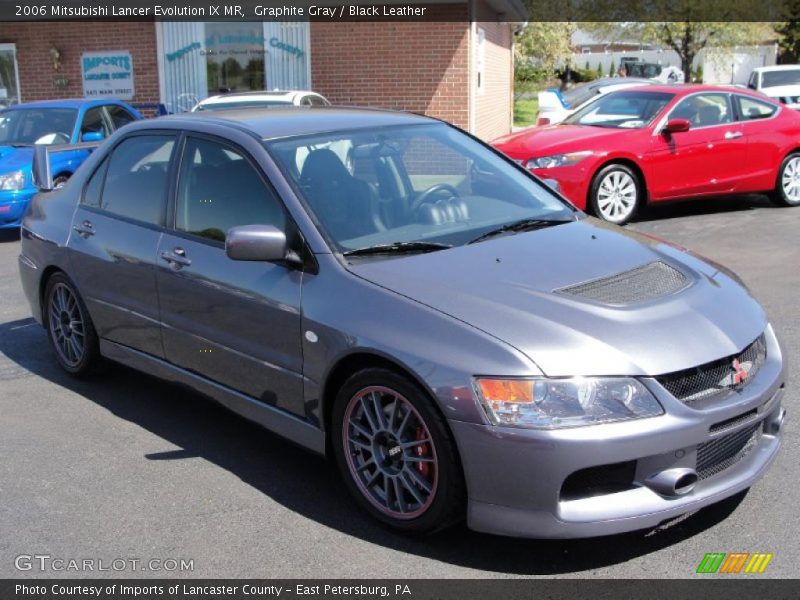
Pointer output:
x,y
525,112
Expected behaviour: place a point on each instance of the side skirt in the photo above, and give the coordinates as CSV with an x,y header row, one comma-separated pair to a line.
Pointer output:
x,y
275,420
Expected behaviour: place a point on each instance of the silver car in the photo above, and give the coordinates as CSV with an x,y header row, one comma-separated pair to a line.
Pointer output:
x,y
385,289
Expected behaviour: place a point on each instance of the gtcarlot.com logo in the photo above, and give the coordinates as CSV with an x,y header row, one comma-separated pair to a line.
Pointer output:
x,y
45,562
734,562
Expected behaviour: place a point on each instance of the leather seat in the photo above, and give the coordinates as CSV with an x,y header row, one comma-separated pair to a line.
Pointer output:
x,y
345,204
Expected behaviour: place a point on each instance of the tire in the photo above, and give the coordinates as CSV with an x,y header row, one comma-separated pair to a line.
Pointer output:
x,y
59,181
615,194
69,328
787,186
416,488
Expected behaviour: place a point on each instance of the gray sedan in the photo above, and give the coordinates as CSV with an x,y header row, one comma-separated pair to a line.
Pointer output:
x,y
387,290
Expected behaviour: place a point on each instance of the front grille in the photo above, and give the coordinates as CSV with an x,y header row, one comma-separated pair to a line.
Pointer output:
x,y
717,455
691,385
637,285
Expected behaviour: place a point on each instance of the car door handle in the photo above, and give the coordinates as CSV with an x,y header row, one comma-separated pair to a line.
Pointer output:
x,y
85,229
176,257
732,135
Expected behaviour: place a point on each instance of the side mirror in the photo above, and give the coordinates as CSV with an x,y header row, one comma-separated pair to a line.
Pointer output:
x,y
677,126
553,185
92,136
256,242
42,178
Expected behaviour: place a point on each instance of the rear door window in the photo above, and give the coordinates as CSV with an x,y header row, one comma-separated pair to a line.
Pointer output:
x,y
136,181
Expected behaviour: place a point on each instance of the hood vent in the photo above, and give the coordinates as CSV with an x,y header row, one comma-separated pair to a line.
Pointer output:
x,y
645,283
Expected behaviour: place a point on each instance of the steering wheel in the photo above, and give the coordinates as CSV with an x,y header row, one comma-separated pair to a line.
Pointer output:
x,y
431,191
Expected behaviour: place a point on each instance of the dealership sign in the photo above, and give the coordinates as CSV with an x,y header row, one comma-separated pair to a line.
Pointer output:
x,y
107,74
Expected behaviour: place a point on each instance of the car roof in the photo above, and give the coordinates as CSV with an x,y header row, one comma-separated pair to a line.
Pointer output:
x,y
66,103
684,89
777,68
278,122
287,95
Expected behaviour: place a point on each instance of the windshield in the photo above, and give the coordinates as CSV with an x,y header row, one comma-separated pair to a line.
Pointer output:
x,y
778,78
622,110
28,126
410,184
242,104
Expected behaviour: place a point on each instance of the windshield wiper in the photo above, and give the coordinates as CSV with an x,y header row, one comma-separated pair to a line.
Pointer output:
x,y
517,226
398,248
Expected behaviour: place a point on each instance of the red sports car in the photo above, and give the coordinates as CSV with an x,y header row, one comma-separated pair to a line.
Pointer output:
x,y
659,143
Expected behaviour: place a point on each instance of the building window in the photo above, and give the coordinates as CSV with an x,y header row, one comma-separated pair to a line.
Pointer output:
x,y
197,60
9,76
234,57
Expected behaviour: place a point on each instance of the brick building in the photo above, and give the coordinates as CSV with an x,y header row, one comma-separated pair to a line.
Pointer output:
x,y
456,65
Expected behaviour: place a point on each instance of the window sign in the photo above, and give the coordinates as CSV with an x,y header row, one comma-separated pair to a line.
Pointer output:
x,y
107,74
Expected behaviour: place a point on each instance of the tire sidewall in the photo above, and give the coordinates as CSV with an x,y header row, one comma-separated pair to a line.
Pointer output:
x,y
594,188
449,496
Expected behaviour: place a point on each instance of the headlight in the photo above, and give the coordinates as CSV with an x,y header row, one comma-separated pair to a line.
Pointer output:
x,y
12,181
557,160
555,403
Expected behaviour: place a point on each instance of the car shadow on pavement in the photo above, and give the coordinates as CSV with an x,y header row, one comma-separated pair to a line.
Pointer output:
x,y
703,206
9,235
306,483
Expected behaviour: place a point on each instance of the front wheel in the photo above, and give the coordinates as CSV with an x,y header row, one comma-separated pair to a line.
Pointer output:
x,y
787,188
615,194
395,453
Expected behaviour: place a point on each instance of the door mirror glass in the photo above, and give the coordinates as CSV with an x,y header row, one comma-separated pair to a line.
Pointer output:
x,y
92,136
256,242
677,125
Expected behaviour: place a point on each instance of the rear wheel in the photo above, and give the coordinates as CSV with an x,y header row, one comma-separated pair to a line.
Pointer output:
x,y
787,188
615,194
59,181
395,453
70,330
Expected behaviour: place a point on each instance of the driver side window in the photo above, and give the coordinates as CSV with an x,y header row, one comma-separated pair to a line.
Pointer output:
x,y
704,110
219,189
93,122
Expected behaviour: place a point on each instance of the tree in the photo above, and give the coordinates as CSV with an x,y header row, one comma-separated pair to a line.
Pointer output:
x,y
599,70
789,32
687,38
546,44
612,69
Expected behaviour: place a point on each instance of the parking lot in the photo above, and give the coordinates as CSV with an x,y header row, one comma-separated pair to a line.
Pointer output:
x,y
126,466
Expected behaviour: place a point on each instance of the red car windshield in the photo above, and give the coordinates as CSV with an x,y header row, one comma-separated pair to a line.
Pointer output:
x,y
622,110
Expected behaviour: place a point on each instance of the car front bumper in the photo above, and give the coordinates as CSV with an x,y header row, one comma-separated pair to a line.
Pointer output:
x,y
12,207
516,477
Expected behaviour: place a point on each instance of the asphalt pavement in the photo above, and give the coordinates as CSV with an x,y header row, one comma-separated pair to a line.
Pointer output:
x,y
128,467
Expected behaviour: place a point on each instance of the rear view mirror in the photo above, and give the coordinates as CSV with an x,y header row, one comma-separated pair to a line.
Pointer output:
x,y
256,242
677,126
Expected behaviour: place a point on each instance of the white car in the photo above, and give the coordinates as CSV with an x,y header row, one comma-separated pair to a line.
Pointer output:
x,y
554,106
781,82
261,99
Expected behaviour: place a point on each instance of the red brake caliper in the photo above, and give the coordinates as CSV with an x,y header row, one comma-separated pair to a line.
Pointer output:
x,y
423,450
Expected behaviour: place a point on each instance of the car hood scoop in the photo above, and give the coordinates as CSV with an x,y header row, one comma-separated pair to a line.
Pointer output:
x,y
583,298
649,282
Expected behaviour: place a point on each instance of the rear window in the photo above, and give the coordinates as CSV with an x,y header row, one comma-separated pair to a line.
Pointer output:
x,y
778,78
750,108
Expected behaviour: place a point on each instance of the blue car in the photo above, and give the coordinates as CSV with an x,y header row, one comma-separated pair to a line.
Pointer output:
x,y
23,126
